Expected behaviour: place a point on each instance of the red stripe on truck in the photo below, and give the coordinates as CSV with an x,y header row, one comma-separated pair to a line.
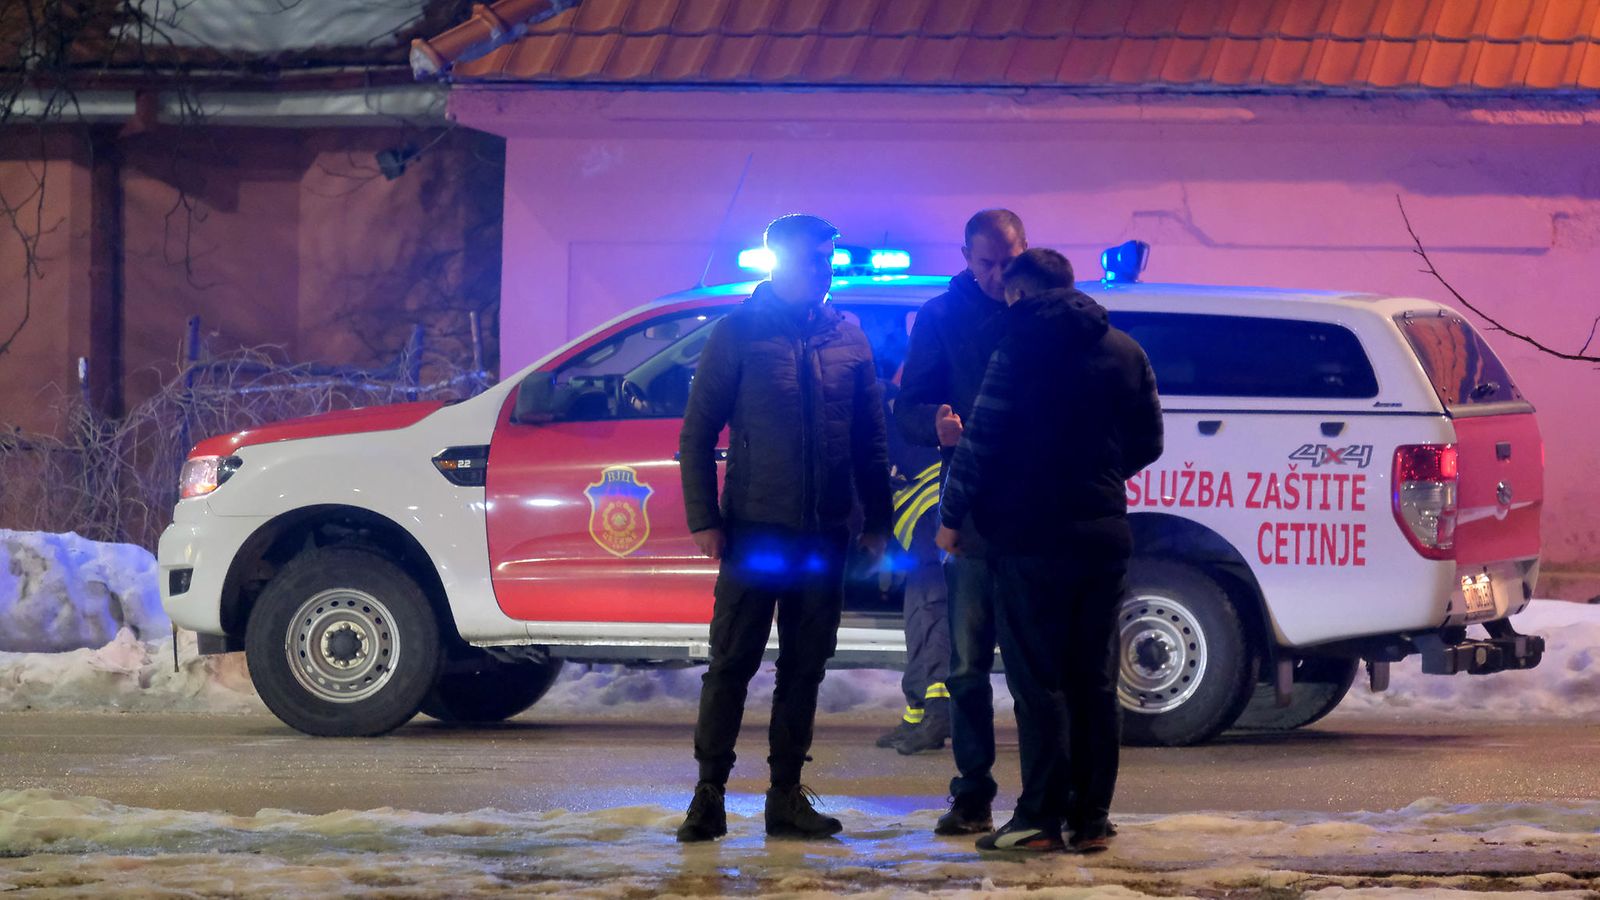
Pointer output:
x,y
346,421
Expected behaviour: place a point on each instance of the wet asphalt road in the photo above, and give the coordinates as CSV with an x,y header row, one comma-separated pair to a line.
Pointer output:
x,y
241,764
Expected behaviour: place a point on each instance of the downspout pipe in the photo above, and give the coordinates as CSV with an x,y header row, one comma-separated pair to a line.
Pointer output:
x,y
489,27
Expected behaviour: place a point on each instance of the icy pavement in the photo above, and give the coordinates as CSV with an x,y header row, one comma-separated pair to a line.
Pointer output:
x,y
64,846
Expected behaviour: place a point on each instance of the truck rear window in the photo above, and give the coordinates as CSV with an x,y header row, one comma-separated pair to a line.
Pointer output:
x,y
1245,356
1463,369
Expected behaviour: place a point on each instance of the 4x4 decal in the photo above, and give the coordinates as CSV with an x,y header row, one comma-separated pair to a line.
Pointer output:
x,y
1359,455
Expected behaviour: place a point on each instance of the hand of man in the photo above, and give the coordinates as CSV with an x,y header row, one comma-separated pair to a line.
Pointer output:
x,y
711,542
948,425
875,546
949,540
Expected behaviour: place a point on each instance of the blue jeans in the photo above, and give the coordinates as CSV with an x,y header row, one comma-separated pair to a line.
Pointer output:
x,y
972,587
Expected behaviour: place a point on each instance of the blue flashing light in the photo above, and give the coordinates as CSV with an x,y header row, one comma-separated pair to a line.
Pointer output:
x,y
848,260
885,260
1124,262
765,563
757,259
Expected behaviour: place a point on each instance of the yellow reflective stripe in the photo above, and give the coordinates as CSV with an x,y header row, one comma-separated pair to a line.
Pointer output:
x,y
922,480
913,715
907,523
937,691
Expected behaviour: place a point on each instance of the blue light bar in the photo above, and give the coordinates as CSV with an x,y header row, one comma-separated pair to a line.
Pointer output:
x,y
846,260
757,259
1124,262
886,260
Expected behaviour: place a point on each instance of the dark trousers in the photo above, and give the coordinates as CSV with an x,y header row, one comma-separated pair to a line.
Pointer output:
x,y
1057,624
971,586
800,576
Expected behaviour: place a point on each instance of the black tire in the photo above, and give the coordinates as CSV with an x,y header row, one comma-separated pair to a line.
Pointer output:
x,y
485,689
1187,666
1319,685
366,642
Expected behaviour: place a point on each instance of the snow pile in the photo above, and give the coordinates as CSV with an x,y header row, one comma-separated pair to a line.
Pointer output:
x,y
56,840
62,592
1565,684
275,26
128,674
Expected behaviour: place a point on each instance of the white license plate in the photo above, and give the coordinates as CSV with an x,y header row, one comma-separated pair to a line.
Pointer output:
x,y
1478,594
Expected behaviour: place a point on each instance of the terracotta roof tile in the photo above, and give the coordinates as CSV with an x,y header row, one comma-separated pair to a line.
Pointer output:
x,y
1589,72
692,18
1273,45
898,18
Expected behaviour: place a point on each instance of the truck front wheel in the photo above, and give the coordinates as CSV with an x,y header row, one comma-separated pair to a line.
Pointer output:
x,y
342,643
1187,667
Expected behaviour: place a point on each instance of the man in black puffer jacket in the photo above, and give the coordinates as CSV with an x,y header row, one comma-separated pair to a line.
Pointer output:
x,y
1067,413
794,383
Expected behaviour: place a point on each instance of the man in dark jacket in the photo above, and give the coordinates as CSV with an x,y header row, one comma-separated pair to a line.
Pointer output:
x,y
794,383
1067,413
950,650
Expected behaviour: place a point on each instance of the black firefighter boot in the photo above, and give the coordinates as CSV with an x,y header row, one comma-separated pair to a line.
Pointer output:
x,y
901,730
790,814
932,732
707,819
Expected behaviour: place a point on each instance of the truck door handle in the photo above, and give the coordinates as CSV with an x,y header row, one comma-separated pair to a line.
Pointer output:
x,y
1332,429
1209,427
721,454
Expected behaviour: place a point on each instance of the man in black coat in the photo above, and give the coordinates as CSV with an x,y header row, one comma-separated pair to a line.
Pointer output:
x,y
950,635
794,383
1067,413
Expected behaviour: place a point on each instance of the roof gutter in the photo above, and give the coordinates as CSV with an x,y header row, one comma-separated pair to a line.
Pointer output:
x,y
378,106
491,26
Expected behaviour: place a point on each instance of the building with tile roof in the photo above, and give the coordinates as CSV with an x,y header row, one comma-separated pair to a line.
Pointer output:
x,y
1250,141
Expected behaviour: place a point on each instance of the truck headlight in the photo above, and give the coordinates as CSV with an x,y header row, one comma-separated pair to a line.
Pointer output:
x,y
203,474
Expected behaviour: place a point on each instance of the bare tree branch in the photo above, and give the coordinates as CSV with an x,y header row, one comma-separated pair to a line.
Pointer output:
x,y
1494,323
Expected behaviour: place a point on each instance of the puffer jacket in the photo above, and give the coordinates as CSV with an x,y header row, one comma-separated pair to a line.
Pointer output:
x,y
1067,413
804,410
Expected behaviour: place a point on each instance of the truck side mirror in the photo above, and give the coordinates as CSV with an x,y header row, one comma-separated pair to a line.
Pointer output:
x,y
536,400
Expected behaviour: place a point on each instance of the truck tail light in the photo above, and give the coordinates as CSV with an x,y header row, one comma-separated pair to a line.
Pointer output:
x,y
1425,497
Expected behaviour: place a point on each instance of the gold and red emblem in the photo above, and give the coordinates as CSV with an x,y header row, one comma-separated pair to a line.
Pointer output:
x,y
618,519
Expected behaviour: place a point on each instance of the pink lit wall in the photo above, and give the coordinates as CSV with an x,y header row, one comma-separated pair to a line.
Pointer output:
x,y
615,198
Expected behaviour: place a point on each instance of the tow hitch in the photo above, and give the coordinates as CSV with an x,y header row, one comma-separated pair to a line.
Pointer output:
x,y
1503,650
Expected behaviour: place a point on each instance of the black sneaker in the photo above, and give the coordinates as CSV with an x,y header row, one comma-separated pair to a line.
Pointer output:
x,y
966,816
1015,835
790,813
896,734
707,819
1092,840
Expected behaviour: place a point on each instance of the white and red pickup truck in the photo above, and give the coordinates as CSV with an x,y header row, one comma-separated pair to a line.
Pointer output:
x,y
1347,477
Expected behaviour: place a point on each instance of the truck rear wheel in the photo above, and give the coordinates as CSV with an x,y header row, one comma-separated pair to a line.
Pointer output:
x,y
342,643
1319,685
487,689
1187,667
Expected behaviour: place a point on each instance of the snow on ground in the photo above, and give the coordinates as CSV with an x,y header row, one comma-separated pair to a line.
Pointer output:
x,y
61,592
77,845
